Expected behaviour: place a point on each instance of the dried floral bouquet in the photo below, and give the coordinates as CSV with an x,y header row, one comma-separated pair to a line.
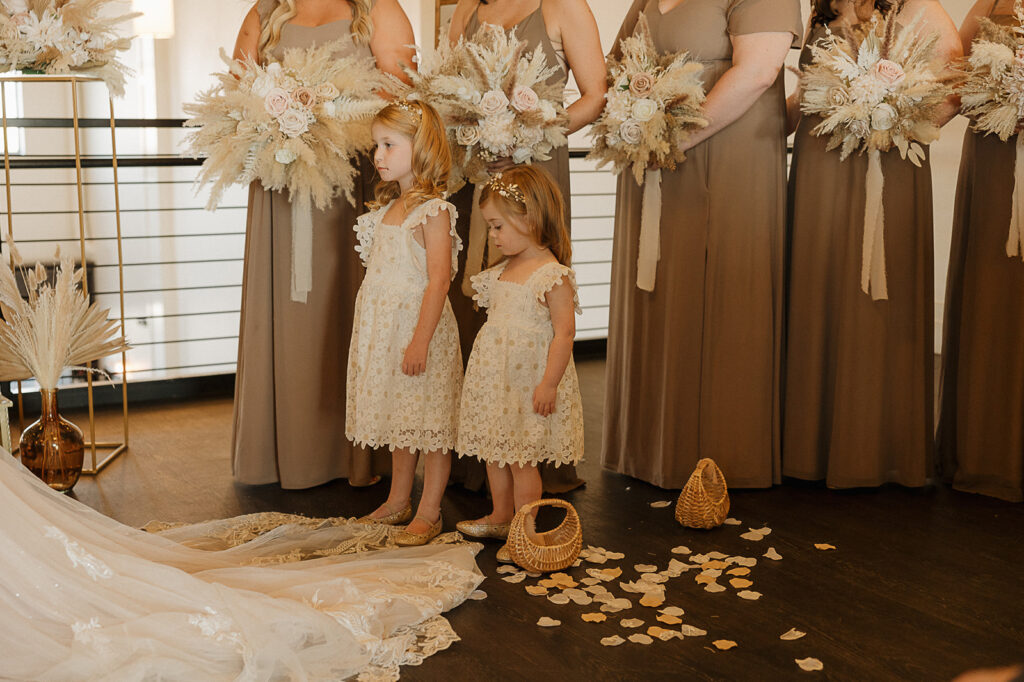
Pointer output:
x,y
298,125
875,88
653,104
64,36
992,96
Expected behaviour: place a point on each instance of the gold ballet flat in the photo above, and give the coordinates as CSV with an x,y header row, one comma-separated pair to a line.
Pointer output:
x,y
393,519
503,555
404,538
475,529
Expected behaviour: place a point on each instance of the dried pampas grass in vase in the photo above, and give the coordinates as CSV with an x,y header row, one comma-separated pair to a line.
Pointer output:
x,y
54,330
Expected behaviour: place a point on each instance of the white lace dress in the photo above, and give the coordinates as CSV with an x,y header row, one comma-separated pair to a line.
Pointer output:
x,y
384,406
86,598
496,421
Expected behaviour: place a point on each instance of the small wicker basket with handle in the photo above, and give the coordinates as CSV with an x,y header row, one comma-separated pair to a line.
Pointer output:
x,y
551,550
704,501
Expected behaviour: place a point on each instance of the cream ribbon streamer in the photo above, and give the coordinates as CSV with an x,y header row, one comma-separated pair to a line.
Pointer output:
x,y
649,252
1015,241
302,247
477,242
872,266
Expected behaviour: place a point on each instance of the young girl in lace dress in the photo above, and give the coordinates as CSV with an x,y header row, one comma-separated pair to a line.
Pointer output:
x,y
521,398
404,363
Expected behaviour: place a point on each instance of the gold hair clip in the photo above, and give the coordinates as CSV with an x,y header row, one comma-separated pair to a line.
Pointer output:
x,y
509,190
406,105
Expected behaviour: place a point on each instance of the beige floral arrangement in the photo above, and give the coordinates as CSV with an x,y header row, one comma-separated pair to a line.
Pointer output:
x,y
298,125
55,329
653,104
64,36
992,96
876,88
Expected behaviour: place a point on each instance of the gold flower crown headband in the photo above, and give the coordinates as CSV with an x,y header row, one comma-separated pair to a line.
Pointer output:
x,y
407,105
509,190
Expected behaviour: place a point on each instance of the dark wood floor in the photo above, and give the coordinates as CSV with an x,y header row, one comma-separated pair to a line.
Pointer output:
x,y
923,585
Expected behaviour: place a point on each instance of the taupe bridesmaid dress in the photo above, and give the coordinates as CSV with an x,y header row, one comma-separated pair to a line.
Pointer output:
x,y
981,424
533,30
693,367
859,377
289,420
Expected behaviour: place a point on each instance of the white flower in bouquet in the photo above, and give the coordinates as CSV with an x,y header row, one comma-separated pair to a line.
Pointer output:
x,y
493,102
497,133
468,135
525,99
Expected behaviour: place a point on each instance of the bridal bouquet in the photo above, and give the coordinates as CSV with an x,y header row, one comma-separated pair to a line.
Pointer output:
x,y
298,125
875,90
495,99
992,96
63,36
653,104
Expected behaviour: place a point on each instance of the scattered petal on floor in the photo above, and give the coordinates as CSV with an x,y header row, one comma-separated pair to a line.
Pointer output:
x,y
711,572
656,578
615,556
724,644
580,598
652,599
673,611
595,617
741,570
792,634
772,554
732,522
604,597
823,546
508,569
563,579
590,580
515,578
614,640
763,531
631,622
630,587
749,594
714,587
747,561
531,574
546,622
597,559
616,605
669,620
478,595
604,574
809,664
714,563
752,536
740,583
558,598
661,633
596,589
645,568
681,549
692,631
640,638
660,504
577,563
536,590
699,558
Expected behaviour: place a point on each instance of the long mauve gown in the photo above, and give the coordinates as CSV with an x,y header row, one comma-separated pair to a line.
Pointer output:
x,y
533,30
859,373
289,422
981,425
693,367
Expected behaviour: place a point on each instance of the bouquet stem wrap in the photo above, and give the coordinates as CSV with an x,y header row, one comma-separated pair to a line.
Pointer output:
x,y
872,267
477,242
1016,239
649,252
302,247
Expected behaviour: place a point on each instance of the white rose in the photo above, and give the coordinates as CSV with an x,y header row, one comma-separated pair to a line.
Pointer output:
x,y
497,133
883,117
644,109
467,136
285,156
263,84
277,101
293,122
631,131
327,92
524,99
493,102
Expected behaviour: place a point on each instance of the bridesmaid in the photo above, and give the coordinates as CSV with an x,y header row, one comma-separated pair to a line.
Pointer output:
x,y
566,32
859,372
693,367
981,424
289,422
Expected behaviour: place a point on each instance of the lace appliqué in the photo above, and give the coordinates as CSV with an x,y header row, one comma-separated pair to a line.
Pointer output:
x,y
89,635
364,227
95,568
217,627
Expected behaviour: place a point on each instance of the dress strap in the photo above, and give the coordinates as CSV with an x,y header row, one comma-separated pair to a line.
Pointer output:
x,y
429,209
548,276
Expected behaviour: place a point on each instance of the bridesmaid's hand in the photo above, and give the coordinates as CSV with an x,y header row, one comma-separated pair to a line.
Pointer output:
x,y
501,165
415,361
544,399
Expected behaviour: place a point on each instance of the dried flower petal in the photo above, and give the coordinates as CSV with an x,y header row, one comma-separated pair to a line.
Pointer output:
x,y
631,622
772,554
809,664
739,583
536,590
660,504
477,595
652,599
741,570
594,617
558,598
732,522
681,549
673,611
692,631
645,568
823,546
546,622
515,578
749,594
724,644
669,620
791,635
640,639
614,640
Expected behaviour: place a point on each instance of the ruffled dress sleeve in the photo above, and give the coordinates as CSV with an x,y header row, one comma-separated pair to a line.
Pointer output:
x,y
364,227
483,282
431,208
551,275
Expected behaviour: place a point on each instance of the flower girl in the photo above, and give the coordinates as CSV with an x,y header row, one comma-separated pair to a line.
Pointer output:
x,y
404,362
521,398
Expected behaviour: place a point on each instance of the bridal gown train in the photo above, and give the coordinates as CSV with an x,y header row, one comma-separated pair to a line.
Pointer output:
x,y
86,598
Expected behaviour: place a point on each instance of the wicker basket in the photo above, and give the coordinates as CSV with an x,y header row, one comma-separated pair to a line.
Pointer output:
x,y
552,550
704,501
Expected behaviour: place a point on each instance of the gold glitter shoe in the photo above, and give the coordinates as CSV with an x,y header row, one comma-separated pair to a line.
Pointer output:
x,y
503,555
392,519
475,529
404,538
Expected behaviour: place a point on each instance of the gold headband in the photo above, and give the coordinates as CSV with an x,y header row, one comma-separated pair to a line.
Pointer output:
x,y
509,190
406,105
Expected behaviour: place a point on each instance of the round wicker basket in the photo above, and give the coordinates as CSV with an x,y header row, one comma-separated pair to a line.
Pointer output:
x,y
704,501
545,552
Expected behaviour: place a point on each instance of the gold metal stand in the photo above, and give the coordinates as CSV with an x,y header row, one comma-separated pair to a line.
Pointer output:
x,y
115,448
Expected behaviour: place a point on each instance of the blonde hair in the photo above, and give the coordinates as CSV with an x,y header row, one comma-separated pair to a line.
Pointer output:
x,y
285,11
542,207
431,155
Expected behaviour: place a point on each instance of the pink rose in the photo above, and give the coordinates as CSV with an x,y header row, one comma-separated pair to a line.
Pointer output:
x,y
20,19
641,84
524,99
304,96
888,72
277,101
493,102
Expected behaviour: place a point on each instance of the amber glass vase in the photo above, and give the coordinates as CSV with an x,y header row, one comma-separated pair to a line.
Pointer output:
x,y
53,448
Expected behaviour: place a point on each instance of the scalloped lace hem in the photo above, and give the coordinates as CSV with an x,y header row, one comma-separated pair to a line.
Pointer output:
x,y
415,444
517,455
